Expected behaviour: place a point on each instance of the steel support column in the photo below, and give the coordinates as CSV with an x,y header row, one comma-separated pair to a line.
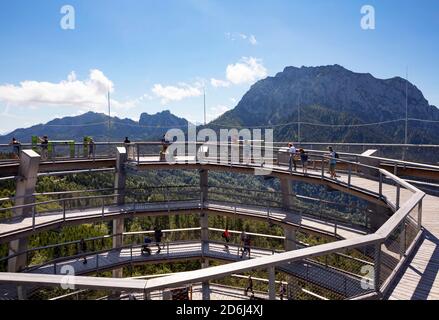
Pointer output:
x,y
25,188
119,185
271,283
287,193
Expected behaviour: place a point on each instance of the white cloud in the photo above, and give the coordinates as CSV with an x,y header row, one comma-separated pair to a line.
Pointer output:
x,y
247,70
253,40
89,94
216,111
241,36
176,93
219,83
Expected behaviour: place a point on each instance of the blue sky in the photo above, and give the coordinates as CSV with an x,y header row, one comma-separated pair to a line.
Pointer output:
x,y
157,55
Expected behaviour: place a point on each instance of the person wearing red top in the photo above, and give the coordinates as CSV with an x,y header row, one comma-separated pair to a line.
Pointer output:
x,y
226,236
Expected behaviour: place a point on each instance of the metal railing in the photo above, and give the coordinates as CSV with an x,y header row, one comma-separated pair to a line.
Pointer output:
x,y
98,257
165,199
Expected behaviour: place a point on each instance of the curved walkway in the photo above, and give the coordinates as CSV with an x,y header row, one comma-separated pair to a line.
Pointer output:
x,y
19,227
320,275
423,263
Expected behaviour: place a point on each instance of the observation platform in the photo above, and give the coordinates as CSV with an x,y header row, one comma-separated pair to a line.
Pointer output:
x,y
401,247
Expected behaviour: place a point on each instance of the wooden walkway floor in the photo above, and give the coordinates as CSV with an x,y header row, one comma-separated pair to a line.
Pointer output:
x,y
420,279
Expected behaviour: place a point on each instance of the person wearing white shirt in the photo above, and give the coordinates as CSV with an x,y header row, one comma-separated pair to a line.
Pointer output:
x,y
292,151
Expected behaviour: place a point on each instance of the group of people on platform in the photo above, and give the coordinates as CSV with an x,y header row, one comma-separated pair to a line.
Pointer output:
x,y
301,155
158,235
245,242
249,288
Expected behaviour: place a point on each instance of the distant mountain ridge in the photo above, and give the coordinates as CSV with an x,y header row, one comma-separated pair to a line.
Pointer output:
x,y
149,127
334,95
331,96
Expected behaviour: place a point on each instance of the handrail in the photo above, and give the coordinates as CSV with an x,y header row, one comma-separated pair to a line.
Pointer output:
x,y
100,238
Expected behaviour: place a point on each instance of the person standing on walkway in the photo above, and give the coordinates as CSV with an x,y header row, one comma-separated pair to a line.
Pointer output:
x,y
158,234
145,246
242,237
44,147
16,145
91,148
226,237
127,144
304,160
332,163
249,286
293,153
282,291
83,247
246,246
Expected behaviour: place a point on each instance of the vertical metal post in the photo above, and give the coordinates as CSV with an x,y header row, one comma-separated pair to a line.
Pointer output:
x,y
420,215
398,196
381,185
272,284
323,167
103,206
345,287
33,217
64,209
402,240
349,176
377,267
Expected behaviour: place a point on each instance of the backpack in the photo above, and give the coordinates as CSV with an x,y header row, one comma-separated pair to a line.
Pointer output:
x,y
337,156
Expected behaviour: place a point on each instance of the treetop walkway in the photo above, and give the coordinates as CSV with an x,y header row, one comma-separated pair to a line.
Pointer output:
x,y
394,244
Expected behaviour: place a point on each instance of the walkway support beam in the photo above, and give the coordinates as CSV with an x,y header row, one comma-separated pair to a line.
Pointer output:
x,y
204,218
271,283
287,193
205,286
204,224
119,184
290,238
120,175
25,188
